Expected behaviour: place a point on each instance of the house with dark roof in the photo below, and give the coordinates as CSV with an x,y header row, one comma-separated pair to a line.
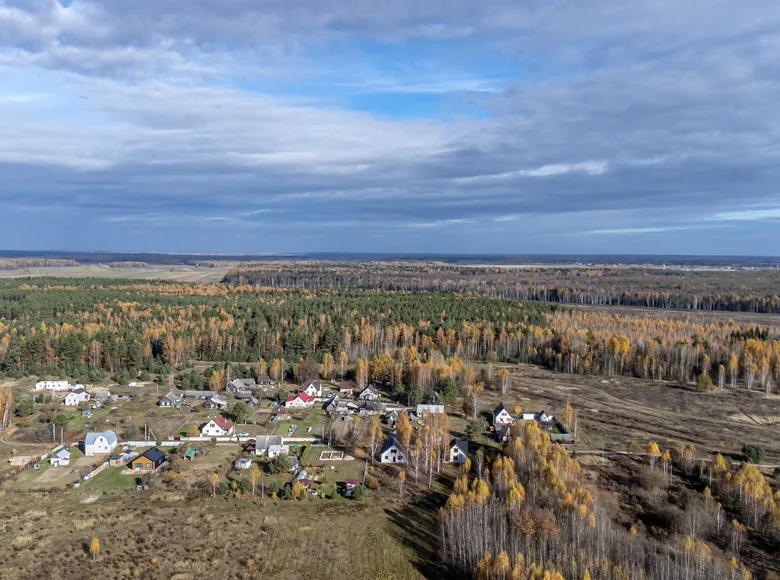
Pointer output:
x,y
264,381
149,460
392,452
458,451
502,416
169,400
240,386
313,388
368,394
346,388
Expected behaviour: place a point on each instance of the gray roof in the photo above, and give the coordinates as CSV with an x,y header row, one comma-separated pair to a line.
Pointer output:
x,y
102,394
199,394
78,391
171,396
461,444
62,454
91,437
265,441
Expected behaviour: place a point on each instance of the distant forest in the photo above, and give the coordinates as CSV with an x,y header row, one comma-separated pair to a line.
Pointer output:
x,y
750,290
412,340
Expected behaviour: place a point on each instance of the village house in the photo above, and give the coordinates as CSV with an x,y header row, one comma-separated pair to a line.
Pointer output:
x,y
248,398
169,400
243,463
263,442
264,381
217,402
61,458
369,394
346,388
149,460
240,386
299,401
313,388
100,443
502,416
76,397
217,427
52,386
458,451
102,396
392,452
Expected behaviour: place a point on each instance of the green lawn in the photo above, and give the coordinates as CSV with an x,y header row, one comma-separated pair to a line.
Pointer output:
x,y
283,428
111,480
220,455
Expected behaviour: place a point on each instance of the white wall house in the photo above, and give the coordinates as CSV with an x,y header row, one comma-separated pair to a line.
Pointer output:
x,y
299,401
458,451
52,386
217,427
392,452
76,397
502,417
432,409
100,443
314,389
368,394
61,458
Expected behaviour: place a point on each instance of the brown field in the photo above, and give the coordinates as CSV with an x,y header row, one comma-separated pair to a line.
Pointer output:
x,y
620,413
151,272
165,537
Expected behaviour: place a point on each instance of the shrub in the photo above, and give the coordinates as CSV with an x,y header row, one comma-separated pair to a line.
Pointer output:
x,y
753,453
704,383
372,483
358,492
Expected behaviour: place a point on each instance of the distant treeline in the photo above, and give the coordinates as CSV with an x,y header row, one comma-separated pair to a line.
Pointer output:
x,y
18,263
128,265
739,291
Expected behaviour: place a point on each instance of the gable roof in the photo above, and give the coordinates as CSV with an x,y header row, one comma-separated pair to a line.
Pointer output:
x,y
461,444
62,454
92,437
222,423
316,383
500,408
171,396
305,397
389,444
102,394
154,454
346,385
78,391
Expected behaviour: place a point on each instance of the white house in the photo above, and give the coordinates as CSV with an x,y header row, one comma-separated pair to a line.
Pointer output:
x,y
243,463
458,451
392,452
368,394
75,397
501,416
275,450
217,427
100,443
217,402
61,458
299,401
314,388
52,386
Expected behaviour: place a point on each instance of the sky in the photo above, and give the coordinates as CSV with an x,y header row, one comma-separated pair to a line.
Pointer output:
x,y
457,126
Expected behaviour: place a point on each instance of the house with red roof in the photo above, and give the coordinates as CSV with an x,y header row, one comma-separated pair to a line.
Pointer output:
x,y
299,401
217,427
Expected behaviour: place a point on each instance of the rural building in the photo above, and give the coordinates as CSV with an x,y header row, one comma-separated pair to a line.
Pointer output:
x,y
76,397
100,443
458,451
263,442
346,388
149,460
240,386
102,396
264,381
199,394
217,402
392,452
274,450
433,409
61,458
243,463
368,394
169,400
120,459
299,401
501,416
217,427
52,386
313,388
